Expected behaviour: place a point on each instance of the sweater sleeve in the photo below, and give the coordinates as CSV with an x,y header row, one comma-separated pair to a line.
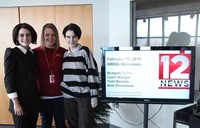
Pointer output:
x,y
9,71
93,78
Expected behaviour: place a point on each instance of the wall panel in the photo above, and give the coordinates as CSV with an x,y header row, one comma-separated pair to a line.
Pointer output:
x,y
37,17
9,18
79,14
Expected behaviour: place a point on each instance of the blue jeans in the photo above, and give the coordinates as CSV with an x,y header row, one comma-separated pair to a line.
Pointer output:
x,y
52,108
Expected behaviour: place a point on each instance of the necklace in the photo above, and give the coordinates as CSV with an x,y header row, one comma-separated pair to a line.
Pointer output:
x,y
51,76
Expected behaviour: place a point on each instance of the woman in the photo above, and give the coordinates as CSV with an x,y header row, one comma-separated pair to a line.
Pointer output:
x,y
80,79
20,77
50,56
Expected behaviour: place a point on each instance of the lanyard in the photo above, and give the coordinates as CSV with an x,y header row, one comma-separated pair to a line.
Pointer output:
x,y
51,69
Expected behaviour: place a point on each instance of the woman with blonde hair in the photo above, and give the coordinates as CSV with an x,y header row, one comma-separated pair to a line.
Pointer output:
x,y
50,56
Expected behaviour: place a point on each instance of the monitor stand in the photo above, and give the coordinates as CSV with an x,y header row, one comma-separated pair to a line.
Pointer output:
x,y
146,118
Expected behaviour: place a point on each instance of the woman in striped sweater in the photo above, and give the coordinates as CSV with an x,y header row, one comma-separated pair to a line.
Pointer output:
x,y
80,79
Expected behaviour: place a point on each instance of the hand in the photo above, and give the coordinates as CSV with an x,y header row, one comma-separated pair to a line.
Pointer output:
x,y
17,107
93,105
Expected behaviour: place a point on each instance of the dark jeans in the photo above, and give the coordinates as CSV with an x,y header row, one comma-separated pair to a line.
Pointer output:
x,y
52,108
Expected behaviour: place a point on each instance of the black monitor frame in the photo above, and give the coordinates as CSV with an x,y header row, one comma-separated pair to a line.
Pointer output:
x,y
166,100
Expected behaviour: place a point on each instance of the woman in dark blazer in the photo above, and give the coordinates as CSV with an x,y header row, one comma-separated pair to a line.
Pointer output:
x,y
20,77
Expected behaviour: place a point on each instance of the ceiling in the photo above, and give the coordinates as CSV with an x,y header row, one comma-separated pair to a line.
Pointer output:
x,y
148,4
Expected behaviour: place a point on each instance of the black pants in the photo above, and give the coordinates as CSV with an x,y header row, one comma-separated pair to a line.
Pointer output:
x,y
26,121
52,109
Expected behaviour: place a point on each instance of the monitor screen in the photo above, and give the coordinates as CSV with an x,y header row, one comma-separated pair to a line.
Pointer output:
x,y
148,74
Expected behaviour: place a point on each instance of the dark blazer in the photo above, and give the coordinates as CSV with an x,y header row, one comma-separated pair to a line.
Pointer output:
x,y
20,77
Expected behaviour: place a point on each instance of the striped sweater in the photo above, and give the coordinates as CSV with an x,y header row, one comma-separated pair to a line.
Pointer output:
x,y
80,74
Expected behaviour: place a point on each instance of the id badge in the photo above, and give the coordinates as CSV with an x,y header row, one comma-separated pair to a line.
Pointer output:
x,y
51,78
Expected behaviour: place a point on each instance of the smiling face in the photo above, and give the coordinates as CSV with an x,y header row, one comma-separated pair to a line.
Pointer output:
x,y
49,38
24,37
71,39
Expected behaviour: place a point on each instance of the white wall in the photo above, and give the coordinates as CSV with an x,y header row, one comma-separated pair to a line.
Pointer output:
x,y
119,22
111,25
101,27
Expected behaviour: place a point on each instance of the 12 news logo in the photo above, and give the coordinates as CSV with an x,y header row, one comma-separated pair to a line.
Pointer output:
x,y
174,71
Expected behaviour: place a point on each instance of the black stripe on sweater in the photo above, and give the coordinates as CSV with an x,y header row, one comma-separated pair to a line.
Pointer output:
x,y
74,72
75,83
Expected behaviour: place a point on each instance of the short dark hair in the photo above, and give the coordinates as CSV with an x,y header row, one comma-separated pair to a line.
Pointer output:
x,y
73,27
26,26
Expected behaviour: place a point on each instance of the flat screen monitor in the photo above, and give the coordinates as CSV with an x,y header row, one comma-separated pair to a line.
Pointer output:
x,y
156,75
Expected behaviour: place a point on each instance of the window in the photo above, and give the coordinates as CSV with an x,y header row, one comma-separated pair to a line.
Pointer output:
x,y
170,25
142,32
155,31
188,24
155,27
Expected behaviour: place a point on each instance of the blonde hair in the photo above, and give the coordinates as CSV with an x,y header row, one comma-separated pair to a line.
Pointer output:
x,y
53,27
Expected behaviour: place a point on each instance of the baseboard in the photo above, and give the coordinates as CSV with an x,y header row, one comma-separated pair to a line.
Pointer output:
x,y
6,125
